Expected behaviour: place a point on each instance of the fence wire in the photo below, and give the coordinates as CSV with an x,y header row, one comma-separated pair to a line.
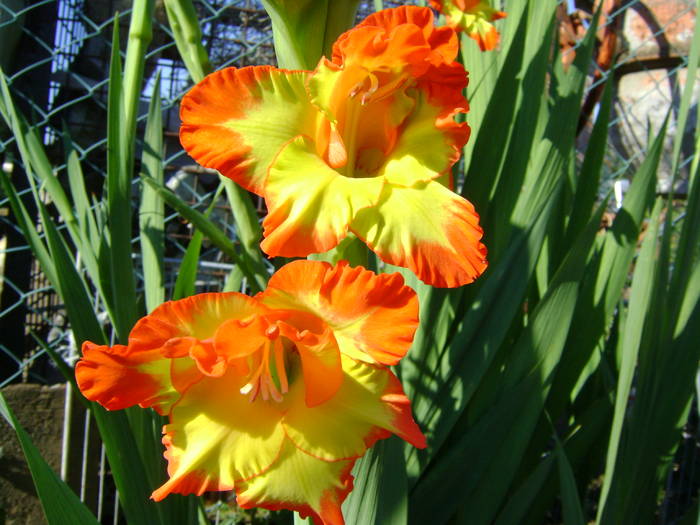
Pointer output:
x,y
55,54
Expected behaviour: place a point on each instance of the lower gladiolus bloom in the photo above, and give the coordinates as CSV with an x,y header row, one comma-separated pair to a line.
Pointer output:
x,y
364,144
273,396
474,17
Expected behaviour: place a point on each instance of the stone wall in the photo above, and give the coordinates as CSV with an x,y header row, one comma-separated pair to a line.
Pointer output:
x,y
40,410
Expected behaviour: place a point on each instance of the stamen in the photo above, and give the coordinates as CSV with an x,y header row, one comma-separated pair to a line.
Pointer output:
x,y
272,332
356,88
261,381
281,371
373,86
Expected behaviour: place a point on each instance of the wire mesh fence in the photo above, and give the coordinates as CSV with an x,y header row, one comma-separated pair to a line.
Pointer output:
x,y
55,54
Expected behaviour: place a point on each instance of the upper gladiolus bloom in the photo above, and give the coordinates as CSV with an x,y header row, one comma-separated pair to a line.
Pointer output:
x,y
273,396
364,143
474,17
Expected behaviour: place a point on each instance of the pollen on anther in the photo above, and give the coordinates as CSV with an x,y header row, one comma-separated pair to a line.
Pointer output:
x,y
272,332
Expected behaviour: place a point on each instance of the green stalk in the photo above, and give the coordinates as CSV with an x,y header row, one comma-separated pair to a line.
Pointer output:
x,y
182,17
140,35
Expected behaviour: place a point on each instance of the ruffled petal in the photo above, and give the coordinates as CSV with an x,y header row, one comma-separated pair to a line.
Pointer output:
x,y
442,41
373,317
160,361
197,317
309,204
217,437
301,483
429,144
396,49
428,229
370,405
118,377
236,120
320,359
474,17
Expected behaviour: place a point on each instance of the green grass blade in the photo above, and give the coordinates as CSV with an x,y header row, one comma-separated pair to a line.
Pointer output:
x,y
35,159
70,286
516,509
620,243
182,17
455,373
36,162
26,224
83,209
61,505
496,126
126,465
572,512
152,209
379,494
588,183
536,494
187,273
503,431
686,99
689,238
234,281
207,227
119,201
64,368
640,301
248,229
604,285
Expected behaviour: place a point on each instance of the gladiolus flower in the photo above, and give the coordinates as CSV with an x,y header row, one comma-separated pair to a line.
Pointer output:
x,y
273,396
364,144
474,17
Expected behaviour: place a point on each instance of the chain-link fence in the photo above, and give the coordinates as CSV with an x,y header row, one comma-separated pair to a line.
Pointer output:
x,y
55,54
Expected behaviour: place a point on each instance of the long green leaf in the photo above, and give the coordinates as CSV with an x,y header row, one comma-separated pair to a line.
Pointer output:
x,y
151,211
248,229
379,495
207,227
604,284
587,186
126,465
182,18
187,273
83,208
36,162
119,201
640,298
571,503
61,505
432,378
70,286
26,224
520,399
35,159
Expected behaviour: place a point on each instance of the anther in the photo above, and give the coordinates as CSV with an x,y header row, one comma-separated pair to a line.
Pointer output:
x,y
272,332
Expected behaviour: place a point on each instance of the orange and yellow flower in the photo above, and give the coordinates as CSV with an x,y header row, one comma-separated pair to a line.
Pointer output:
x,y
364,144
474,17
273,396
